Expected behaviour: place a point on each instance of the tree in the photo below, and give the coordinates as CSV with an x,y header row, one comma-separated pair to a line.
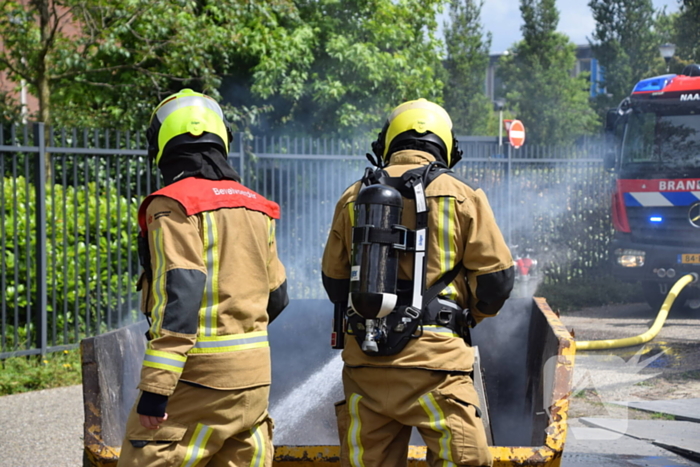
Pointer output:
x,y
466,64
308,66
368,56
540,88
626,45
108,62
687,31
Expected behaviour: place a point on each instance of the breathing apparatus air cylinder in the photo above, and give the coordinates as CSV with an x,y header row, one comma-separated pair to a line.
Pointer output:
x,y
377,240
375,257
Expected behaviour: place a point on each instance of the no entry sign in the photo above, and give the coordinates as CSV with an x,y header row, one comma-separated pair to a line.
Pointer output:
x,y
516,133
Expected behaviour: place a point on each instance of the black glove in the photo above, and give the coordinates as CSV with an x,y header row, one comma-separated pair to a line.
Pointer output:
x,y
152,404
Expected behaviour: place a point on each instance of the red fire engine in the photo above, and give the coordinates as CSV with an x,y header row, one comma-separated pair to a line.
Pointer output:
x,y
656,203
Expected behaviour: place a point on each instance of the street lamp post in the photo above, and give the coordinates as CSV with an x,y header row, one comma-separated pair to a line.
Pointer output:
x,y
500,104
667,50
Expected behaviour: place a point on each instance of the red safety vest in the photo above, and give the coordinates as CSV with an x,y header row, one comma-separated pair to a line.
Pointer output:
x,y
199,195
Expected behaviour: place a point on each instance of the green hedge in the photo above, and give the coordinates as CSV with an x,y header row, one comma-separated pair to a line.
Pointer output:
x,y
88,255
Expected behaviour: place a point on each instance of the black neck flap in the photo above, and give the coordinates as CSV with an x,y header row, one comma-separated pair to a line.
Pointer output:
x,y
205,161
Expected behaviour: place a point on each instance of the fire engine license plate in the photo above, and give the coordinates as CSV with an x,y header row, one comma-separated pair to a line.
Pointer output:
x,y
689,258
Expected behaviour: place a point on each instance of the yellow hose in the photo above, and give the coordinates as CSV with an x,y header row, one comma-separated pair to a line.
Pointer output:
x,y
650,333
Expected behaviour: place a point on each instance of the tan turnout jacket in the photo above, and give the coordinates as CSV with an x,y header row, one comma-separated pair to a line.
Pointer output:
x,y
215,275
461,227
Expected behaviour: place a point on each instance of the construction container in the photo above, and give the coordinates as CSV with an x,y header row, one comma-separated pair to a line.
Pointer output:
x,y
526,358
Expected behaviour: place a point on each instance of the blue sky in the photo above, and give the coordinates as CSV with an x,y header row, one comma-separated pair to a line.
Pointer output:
x,y
502,18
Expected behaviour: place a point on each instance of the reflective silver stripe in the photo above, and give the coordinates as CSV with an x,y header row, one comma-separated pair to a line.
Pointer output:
x,y
259,448
211,298
437,423
195,450
231,341
164,360
159,286
356,449
446,235
180,102
447,232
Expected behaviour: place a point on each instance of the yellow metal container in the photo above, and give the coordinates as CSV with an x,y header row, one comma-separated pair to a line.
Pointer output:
x,y
527,359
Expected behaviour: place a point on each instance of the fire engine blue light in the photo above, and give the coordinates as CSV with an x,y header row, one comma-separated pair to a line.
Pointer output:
x,y
656,219
653,84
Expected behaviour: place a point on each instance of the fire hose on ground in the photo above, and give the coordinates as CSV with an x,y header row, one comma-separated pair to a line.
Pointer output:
x,y
650,333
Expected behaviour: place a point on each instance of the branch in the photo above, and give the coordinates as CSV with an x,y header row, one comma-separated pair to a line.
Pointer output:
x,y
168,76
16,71
52,35
97,70
54,15
105,85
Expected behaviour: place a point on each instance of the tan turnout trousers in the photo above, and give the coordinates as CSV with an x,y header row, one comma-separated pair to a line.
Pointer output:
x,y
382,404
204,427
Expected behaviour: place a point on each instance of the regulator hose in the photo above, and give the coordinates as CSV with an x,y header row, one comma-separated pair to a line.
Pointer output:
x,y
650,333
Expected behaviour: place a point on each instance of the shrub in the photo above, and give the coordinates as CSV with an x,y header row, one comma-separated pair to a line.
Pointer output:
x,y
89,255
592,291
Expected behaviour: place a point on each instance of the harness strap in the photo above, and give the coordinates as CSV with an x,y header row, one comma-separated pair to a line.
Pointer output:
x,y
445,280
398,236
419,259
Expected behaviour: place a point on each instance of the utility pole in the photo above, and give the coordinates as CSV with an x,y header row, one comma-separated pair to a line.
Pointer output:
x,y
499,105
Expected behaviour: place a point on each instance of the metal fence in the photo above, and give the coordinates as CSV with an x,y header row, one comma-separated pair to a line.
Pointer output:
x,y
552,201
69,264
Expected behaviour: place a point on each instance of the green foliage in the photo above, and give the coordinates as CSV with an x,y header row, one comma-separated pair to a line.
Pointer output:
x,y
626,43
23,374
466,63
368,56
86,248
109,62
599,290
316,67
10,110
552,104
687,31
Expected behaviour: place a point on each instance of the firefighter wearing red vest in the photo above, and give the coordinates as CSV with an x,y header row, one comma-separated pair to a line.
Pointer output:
x,y
415,285
212,284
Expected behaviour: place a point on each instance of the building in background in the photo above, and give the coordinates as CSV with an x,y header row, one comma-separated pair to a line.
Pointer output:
x,y
585,63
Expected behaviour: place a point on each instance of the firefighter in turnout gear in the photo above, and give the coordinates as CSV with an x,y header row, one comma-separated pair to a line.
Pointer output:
x,y
212,284
407,353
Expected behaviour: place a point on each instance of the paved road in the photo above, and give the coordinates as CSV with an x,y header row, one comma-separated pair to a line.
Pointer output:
x,y
42,428
616,321
657,374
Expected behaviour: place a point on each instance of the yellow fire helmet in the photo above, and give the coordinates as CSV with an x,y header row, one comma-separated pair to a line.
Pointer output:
x,y
187,117
418,124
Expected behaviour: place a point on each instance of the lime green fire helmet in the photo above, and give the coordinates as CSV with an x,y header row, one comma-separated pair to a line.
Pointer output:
x,y
184,118
418,124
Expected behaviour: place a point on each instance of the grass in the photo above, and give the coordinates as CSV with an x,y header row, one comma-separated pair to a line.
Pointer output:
x,y
692,374
596,291
662,416
23,374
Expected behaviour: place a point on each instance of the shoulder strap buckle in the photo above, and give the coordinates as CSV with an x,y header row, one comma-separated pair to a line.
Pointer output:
x,y
403,238
411,312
